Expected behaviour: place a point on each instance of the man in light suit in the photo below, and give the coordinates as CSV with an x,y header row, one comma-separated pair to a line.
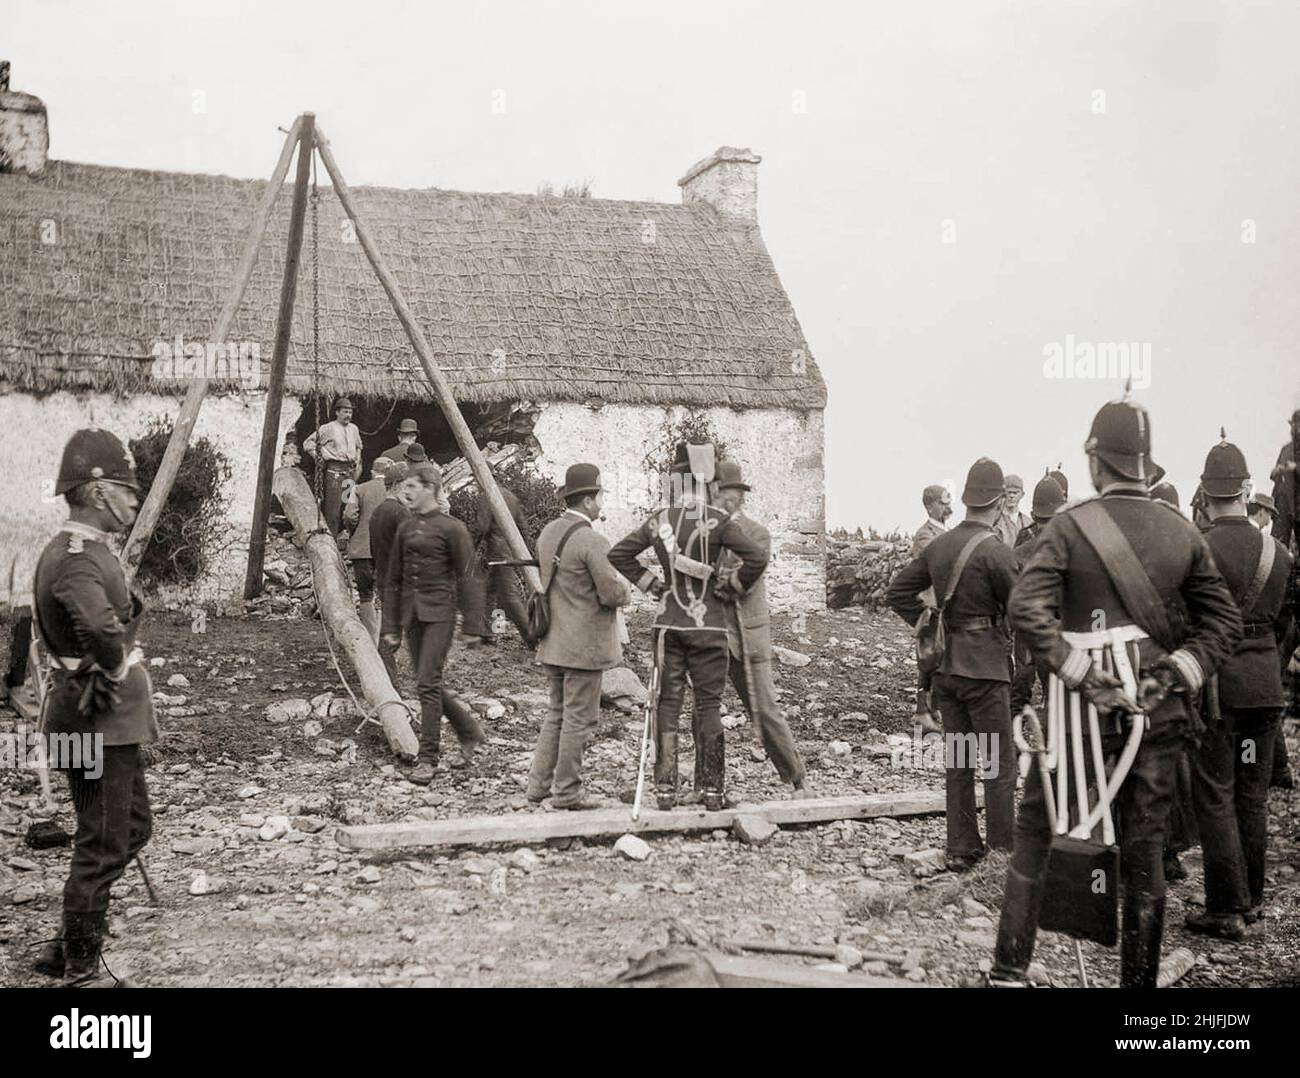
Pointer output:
x,y
749,635
584,592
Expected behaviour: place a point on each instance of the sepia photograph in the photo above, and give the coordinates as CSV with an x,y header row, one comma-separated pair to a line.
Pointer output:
x,y
572,494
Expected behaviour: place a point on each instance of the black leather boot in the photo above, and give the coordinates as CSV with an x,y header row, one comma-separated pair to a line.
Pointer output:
x,y
713,772
51,961
1017,928
1140,933
83,935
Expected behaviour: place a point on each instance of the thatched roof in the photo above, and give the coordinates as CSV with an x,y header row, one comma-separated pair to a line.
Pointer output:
x,y
522,297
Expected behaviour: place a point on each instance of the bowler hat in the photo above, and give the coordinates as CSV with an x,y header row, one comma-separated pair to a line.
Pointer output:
x,y
1263,501
1166,492
1225,474
984,484
580,479
342,402
415,453
408,426
727,476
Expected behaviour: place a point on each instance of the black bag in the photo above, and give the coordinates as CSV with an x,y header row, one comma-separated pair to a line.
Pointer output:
x,y
931,636
1081,894
539,606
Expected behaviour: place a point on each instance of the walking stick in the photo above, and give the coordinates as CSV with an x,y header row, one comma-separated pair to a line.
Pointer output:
x,y
647,729
139,863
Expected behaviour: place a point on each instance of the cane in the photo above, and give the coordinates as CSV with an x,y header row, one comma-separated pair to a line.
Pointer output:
x,y
647,729
139,863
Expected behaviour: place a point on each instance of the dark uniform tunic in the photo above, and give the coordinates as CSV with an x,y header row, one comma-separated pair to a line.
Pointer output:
x,y
427,566
1065,587
693,624
87,620
502,579
1232,767
972,684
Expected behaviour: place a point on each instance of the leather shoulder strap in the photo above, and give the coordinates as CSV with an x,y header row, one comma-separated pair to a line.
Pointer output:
x,y
959,566
1125,570
1267,552
555,561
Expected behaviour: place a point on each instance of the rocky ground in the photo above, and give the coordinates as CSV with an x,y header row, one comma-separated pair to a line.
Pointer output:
x,y
254,890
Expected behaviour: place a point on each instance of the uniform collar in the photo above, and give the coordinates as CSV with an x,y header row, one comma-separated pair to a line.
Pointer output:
x,y
1127,489
975,524
75,527
1232,521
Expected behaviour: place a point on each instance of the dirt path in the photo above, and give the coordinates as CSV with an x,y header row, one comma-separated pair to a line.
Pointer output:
x,y
298,910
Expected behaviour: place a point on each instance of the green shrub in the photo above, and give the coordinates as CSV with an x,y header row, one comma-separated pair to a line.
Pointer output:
x,y
191,523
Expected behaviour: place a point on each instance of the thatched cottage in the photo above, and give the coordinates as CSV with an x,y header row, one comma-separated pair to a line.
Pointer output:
x,y
588,324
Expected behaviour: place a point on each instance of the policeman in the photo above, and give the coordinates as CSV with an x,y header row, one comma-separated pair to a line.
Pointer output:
x,y
690,629
1233,765
1067,605
1049,499
973,579
98,688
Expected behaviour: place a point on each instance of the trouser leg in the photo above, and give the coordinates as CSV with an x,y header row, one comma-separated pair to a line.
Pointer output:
x,y
765,713
1216,820
672,691
505,583
388,656
1018,923
1144,802
581,717
19,645
1254,737
429,643
542,772
475,603
1281,762
990,717
960,755
112,815
332,502
707,664
462,718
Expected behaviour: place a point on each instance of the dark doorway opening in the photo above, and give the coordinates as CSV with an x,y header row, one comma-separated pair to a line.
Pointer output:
x,y
502,422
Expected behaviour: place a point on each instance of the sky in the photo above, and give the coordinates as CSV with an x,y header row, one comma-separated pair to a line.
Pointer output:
x,y
954,192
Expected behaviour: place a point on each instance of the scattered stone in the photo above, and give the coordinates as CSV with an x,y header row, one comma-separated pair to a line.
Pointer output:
x,y
477,866
309,825
683,887
924,862
915,975
369,874
621,687
832,967
488,961
799,882
326,867
848,956
984,939
840,748
22,864
24,893
311,728
251,819
496,710
196,845
730,722
275,827
248,791
786,657
1037,974
753,830
365,904
203,884
524,859
497,880
633,848
290,710
971,908
407,933
178,681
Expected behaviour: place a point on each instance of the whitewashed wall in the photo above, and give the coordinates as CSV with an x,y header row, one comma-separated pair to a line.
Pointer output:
x,y
779,450
34,430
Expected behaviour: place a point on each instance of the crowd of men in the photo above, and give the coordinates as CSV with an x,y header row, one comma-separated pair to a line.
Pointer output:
x,y
1117,605
1172,637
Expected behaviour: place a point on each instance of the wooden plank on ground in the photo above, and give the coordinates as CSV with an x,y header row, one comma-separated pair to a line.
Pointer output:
x,y
521,829
737,972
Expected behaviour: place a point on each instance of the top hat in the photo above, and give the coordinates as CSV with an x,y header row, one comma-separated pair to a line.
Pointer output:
x,y
580,479
984,484
727,476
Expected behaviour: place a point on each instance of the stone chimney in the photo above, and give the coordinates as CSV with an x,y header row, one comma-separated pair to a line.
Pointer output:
x,y
24,129
727,180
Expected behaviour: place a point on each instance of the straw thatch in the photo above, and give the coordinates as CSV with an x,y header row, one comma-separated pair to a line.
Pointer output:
x,y
522,297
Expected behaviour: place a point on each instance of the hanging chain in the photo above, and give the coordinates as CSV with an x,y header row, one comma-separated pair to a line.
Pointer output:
x,y
319,476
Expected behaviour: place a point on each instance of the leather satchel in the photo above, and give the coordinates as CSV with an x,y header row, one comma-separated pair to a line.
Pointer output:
x,y
539,603
931,635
